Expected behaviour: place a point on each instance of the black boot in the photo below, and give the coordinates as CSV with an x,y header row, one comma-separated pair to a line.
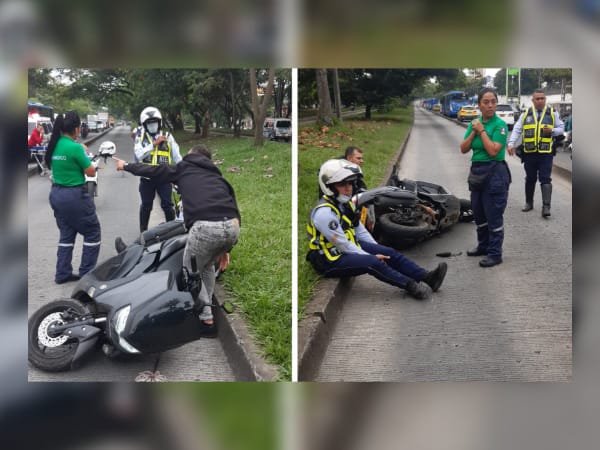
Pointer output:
x,y
434,278
144,218
529,191
418,290
546,198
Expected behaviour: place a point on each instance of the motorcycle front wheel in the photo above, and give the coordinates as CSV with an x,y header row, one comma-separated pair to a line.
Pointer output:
x,y
50,351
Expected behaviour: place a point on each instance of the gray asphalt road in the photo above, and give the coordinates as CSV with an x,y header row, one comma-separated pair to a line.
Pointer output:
x,y
117,207
508,323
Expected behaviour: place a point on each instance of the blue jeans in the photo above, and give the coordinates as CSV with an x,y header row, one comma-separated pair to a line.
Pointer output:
x,y
208,240
397,271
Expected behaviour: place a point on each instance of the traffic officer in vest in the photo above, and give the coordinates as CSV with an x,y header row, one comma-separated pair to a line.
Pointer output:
x,y
538,124
340,246
153,146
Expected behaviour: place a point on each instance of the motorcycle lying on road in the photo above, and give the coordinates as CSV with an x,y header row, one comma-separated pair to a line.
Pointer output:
x,y
408,211
106,150
140,301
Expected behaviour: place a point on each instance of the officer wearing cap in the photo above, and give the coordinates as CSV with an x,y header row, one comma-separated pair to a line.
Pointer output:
x,y
340,246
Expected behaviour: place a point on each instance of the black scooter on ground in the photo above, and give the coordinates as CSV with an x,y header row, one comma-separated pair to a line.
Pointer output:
x,y
407,211
140,301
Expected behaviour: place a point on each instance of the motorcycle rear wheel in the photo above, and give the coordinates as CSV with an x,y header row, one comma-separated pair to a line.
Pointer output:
x,y
46,351
466,213
404,233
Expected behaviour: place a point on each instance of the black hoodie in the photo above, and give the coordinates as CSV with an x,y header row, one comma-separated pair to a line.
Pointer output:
x,y
206,195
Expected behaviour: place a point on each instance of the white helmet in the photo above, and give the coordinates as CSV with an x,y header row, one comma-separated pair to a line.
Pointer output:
x,y
150,114
335,171
108,148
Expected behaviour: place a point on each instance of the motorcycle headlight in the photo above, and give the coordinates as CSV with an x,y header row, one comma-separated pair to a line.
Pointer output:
x,y
121,318
120,321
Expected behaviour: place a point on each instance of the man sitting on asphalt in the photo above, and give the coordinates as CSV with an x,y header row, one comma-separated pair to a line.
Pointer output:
x,y
340,246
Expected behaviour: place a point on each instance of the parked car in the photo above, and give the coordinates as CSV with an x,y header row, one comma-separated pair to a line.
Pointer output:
x,y
277,128
437,108
467,112
506,113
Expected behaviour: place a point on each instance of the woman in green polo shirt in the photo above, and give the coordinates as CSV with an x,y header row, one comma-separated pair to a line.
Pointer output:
x,y
489,178
73,207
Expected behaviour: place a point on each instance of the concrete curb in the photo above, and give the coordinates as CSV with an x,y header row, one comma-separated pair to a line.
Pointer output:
x,y
243,355
322,310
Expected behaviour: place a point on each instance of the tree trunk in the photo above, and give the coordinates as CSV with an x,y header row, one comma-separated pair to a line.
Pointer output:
x,y
324,111
206,125
368,112
337,96
197,122
259,109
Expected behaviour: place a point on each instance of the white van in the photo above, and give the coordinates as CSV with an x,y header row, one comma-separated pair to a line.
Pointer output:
x,y
277,128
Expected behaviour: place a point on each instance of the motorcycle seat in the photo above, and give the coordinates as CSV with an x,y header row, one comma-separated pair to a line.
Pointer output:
x,y
172,245
130,259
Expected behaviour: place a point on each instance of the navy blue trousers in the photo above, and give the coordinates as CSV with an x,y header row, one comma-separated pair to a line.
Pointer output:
x,y
397,271
488,207
537,165
75,212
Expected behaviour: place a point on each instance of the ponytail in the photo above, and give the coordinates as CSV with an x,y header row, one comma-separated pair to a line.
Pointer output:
x,y
56,134
63,124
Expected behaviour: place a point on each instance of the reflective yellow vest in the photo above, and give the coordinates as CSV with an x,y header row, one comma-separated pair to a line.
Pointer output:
x,y
533,141
161,154
316,241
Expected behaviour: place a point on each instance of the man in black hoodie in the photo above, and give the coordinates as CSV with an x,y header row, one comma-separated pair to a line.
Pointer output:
x,y
210,213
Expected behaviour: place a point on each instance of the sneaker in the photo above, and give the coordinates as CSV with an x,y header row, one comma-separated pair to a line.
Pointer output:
x,y
418,290
73,277
434,278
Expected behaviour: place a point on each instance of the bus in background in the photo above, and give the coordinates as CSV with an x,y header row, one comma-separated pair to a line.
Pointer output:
x,y
428,103
452,101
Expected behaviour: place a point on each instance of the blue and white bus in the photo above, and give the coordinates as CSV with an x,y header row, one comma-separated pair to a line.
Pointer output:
x,y
452,101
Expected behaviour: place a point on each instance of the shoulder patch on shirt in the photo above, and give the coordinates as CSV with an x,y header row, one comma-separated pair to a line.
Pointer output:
x,y
503,131
333,224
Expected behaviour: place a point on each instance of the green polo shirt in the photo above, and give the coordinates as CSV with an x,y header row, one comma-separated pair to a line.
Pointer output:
x,y
497,131
68,162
